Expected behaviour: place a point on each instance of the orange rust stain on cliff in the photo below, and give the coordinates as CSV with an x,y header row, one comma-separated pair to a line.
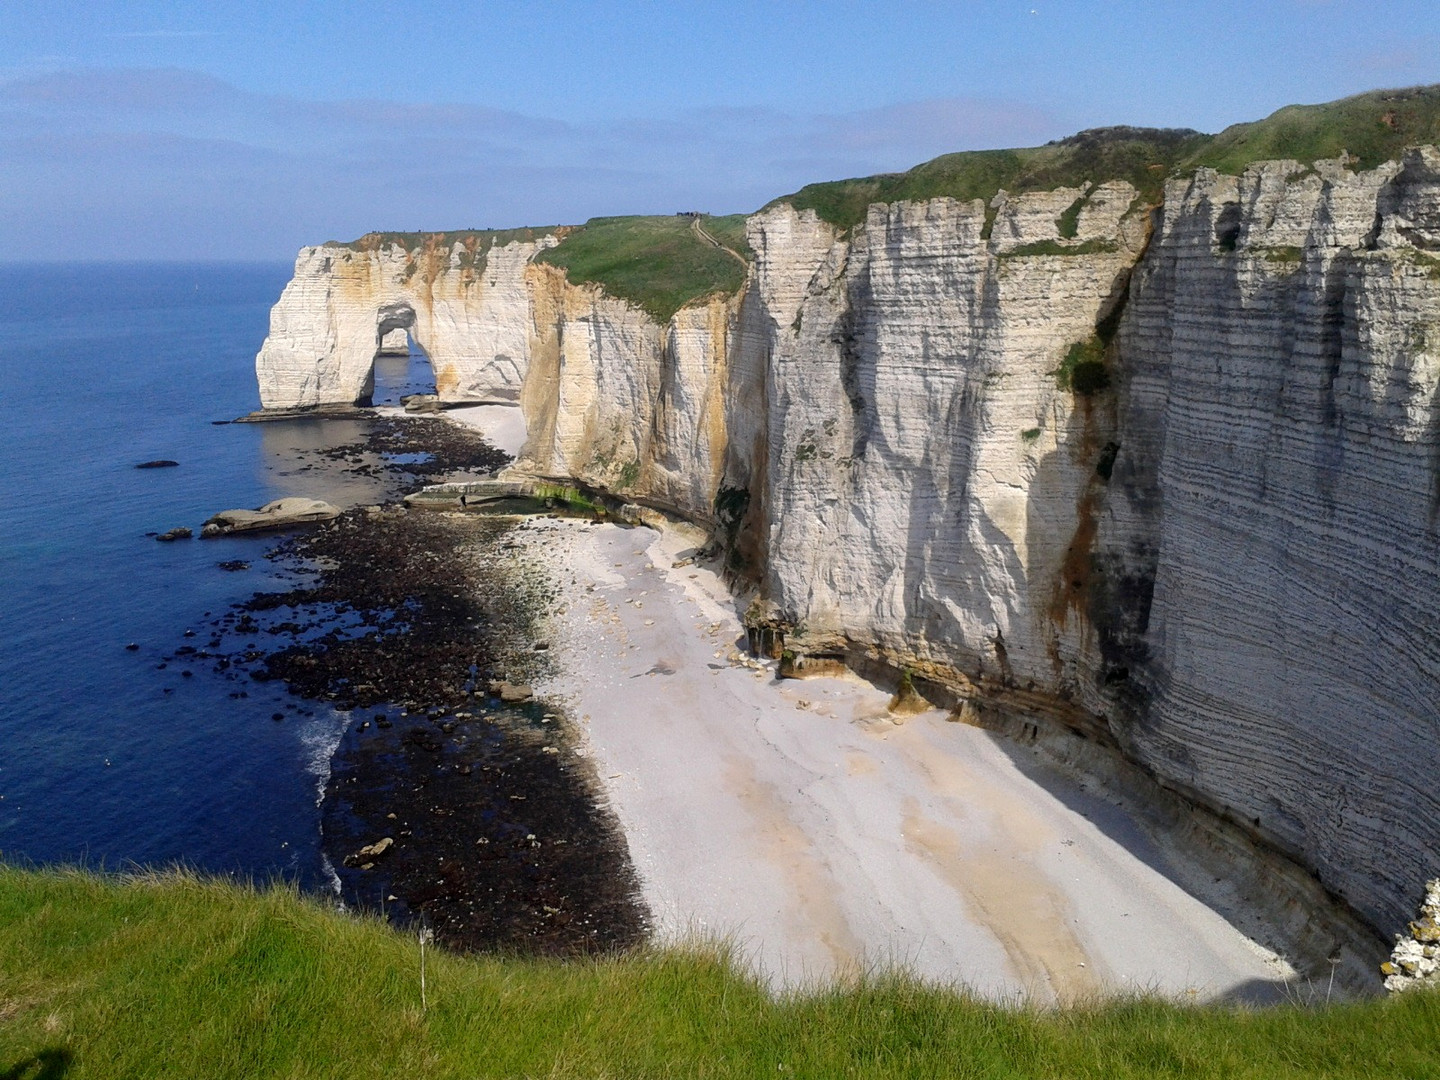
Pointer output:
x,y
540,392
1070,591
447,379
467,265
721,312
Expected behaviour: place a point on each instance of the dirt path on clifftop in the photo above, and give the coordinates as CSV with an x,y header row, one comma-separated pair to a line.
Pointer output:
x,y
699,230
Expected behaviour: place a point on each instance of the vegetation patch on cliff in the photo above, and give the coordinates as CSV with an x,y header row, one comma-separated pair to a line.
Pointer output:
x,y
659,264
569,496
475,244
171,975
1371,128
1142,156
1055,247
1068,223
1083,370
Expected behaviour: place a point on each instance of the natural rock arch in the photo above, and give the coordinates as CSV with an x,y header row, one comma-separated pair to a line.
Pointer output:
x,y
389,318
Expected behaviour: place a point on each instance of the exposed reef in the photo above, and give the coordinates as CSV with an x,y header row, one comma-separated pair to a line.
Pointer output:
x,y
452,798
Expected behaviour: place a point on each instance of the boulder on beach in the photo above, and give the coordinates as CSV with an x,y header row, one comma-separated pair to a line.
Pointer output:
x,y
273,515
421,403
378,848
511,692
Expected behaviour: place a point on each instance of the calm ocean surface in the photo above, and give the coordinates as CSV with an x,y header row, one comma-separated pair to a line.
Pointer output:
x,y
105,757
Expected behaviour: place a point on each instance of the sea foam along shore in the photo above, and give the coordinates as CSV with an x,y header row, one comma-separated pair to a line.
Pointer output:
x,y
799,820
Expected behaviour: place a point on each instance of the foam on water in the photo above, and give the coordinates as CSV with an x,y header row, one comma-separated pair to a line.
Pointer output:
x,y
320,736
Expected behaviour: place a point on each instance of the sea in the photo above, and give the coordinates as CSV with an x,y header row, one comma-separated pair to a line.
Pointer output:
x,y
116,757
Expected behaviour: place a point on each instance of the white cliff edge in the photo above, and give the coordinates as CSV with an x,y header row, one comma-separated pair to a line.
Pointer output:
x,y
1169,483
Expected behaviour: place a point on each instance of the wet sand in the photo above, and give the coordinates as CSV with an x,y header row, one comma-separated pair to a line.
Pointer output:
x,y
798,820
502,425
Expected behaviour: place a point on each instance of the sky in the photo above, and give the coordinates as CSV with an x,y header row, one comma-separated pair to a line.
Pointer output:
x,y
228,130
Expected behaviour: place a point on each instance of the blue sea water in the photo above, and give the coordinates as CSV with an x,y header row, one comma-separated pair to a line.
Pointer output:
x,y
107,758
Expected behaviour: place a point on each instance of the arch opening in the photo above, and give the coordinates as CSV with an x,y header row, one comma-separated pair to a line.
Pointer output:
x,y
400,366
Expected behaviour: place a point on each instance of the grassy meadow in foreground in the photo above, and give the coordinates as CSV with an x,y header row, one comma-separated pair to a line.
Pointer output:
x,y
170,975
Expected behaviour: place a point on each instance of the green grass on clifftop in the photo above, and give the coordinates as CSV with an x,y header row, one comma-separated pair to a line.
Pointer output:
x,y
480,239
1142,156
171,976
1373,128
658,264
477,245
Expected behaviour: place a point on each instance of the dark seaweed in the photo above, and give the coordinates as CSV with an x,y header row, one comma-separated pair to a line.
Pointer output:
x,y
404,619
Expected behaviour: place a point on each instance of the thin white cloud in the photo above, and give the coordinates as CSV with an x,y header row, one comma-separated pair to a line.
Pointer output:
x,y
254,175
1416,55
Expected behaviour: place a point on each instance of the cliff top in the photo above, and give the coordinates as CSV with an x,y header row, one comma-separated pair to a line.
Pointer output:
x,y
476,240
659,264
1372,128
662,263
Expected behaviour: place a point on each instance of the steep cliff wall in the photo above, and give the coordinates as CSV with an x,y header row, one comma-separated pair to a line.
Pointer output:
x,y
465,303
1269,560
617,400
1166,473
1228,555
926,463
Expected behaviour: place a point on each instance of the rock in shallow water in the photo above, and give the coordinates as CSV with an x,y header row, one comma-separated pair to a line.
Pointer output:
x,y
273,515
511,692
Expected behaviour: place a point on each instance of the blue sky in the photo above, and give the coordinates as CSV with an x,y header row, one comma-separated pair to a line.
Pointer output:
x,y
243,130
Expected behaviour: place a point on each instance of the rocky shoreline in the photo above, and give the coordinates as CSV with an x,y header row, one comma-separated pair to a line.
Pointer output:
x,y
656,783
446,803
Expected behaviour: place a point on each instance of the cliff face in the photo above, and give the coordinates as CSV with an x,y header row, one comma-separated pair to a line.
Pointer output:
x,y
616,400
467,309
925,465
1269,562
1169,474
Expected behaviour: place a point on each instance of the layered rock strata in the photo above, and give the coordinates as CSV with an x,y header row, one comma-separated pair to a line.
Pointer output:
x,y
1268,558
467,310
1167,475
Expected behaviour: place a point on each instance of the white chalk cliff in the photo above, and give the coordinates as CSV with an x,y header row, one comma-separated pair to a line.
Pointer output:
x,y
1217,547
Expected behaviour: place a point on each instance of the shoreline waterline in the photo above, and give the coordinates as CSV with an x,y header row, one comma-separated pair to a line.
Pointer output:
x,y
825,836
